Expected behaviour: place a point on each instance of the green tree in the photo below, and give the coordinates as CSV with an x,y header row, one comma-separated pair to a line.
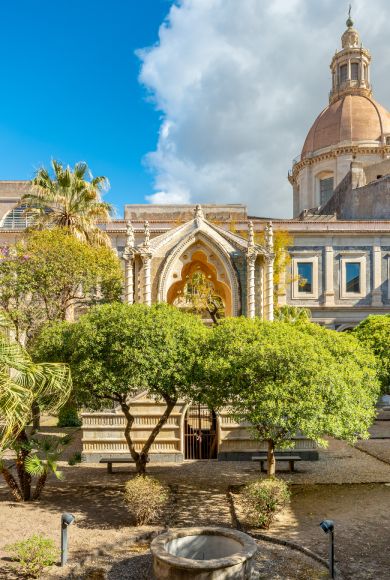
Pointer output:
x,y
21,382
288,313
374,332
116,351
200,295
70,198
50,273
286,378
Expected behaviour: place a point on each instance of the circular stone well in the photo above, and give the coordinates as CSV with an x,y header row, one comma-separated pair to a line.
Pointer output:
x,y
203,554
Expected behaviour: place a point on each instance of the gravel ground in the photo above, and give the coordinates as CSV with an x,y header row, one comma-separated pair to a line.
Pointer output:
x,y
103,538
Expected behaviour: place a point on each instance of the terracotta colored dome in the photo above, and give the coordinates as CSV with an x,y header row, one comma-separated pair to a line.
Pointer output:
x,y
352,118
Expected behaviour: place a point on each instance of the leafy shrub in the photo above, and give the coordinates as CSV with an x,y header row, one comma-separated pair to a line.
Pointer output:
x,y
263,499
75,458
33,554
145,498
68,417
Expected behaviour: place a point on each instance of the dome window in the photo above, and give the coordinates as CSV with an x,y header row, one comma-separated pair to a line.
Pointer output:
x,y
355,71
326,189
343,74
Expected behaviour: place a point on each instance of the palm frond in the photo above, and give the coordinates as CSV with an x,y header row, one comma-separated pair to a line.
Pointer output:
x,y
70,200
22,382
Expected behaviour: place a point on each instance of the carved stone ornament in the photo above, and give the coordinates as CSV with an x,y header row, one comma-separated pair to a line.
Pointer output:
x,y
129,235
147,235
251,234
198,212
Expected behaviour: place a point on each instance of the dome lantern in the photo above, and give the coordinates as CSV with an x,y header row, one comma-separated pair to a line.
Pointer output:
x,y
350,66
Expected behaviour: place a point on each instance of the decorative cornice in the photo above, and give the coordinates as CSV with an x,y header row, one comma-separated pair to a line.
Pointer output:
x,y
354,149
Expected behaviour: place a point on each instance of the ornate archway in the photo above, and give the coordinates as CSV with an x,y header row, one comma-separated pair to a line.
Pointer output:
x,y
200,269
200,252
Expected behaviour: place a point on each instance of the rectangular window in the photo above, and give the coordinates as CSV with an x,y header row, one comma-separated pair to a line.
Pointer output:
x,y
343,73
326,189
352,277
305,277
355,71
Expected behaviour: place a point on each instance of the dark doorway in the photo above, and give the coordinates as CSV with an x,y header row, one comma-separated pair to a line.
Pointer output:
x,y
200,433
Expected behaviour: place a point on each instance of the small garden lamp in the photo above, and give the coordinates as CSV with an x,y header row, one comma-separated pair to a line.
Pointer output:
x,y
66,520
328,527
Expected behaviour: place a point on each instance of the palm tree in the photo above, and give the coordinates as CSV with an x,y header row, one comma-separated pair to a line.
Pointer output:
x,y
71,199
22,382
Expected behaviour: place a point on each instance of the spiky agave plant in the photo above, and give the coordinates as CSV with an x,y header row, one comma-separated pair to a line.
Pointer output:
x,y
71,199
21,383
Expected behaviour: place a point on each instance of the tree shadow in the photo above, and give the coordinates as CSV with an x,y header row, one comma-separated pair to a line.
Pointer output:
x,y
139,567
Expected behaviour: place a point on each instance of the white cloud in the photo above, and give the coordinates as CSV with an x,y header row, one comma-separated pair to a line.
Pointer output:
x,y
239,84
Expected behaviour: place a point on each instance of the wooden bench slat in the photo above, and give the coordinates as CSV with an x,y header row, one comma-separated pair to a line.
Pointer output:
x,y
279,458
111,460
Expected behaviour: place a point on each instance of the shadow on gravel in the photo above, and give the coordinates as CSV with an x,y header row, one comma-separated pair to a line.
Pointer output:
x,y
135,568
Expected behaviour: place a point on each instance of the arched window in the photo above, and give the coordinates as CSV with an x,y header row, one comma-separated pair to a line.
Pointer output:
x,y
355,71
16,219
326,189
343,73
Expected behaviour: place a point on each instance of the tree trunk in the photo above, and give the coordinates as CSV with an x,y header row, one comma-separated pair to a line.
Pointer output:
x,y
11,482
40,485
141,458
24,477
36,416
141,462
271,462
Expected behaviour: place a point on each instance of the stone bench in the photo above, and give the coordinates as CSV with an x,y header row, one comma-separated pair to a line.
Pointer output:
x,y
111,460
290,458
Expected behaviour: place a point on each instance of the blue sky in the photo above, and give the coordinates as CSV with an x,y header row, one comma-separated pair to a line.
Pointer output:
x,y
70,89
214,110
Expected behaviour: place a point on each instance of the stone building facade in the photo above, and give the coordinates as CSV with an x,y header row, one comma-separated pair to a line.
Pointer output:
x,y
340,254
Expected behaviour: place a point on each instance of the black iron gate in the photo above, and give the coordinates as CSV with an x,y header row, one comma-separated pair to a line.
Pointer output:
x,y
200,433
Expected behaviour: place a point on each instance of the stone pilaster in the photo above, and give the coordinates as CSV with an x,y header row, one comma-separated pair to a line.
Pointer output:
x,y
329,280
376,296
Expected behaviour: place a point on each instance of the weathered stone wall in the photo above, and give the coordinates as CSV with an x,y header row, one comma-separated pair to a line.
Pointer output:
x,y
353,201
184,213
103,435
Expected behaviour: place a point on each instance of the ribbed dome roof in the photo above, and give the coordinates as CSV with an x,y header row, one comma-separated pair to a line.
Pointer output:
x,y
352,118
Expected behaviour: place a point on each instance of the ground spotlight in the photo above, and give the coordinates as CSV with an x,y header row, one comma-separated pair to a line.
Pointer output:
x,y
66,520
328,527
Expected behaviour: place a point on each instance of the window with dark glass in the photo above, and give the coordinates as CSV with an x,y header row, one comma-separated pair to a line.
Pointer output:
x,y
355,71
305,277
343,73
352,277
326,189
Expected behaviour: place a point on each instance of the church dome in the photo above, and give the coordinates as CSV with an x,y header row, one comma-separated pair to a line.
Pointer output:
x,y
353,118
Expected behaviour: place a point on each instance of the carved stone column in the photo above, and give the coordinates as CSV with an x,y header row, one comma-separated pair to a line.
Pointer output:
x,y
329,280
251,259
129,280
128,256
147,258
269,288
376,297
